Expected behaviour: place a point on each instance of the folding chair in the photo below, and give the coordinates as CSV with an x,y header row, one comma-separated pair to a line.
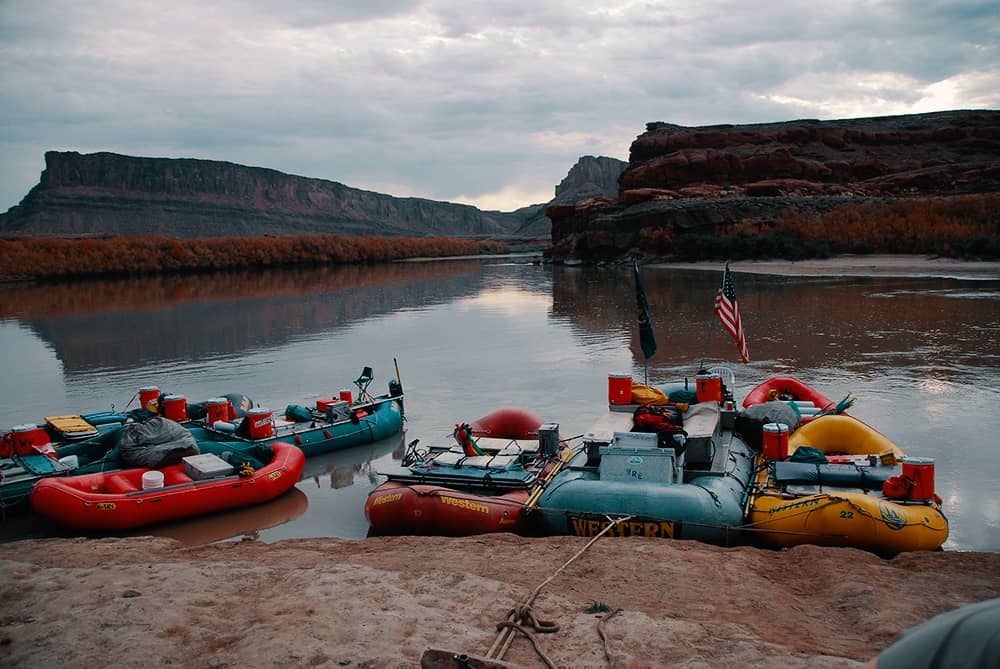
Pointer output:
x,y
362,382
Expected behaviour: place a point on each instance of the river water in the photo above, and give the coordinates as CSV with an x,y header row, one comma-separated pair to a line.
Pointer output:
x,y
921,354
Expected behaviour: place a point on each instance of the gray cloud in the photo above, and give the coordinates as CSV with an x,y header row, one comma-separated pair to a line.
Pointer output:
x,y
489,102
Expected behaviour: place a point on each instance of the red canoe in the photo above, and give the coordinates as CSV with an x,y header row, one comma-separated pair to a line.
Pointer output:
x,y
117,501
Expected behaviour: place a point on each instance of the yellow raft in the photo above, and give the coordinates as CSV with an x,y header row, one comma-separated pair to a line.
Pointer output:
x,y
842,513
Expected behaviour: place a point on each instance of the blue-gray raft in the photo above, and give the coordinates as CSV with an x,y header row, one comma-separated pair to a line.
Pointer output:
x,y
689,486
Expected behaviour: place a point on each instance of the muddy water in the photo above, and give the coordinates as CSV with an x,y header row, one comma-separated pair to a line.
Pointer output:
x,y
922,355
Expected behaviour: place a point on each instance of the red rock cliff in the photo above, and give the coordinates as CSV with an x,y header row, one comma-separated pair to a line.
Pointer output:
x,y
707,178
107,193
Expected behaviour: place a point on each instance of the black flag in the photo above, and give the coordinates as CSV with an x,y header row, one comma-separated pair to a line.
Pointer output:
x,y
646,339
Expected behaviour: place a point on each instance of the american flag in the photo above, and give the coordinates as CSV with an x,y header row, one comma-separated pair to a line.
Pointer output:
x,y
729,313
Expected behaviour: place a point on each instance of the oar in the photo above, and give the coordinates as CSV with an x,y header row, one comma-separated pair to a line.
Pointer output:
x,y
565,455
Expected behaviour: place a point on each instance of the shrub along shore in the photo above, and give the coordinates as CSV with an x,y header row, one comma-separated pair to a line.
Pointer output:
x,y
51,257
966,227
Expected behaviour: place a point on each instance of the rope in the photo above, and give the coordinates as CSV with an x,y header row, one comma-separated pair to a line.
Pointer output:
x,y
531,637
604,637
523,614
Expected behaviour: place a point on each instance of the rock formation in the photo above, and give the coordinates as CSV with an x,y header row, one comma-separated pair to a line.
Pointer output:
x,y
110,194
590,177
709,178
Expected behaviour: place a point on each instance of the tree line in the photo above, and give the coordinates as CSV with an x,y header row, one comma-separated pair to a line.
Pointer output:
x,y
51,257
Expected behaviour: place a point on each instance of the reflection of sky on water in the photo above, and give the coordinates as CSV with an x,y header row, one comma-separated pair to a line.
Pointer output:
x,y
30,371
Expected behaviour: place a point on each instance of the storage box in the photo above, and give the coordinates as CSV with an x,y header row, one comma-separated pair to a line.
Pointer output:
x,y
337,410
206,466
701,422
639,465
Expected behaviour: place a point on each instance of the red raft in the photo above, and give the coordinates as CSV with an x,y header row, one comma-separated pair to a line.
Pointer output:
x,y
412,508
117,500
786,388
808,401
474,488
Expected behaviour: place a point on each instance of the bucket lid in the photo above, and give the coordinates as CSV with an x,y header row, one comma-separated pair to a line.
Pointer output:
x,y
152,476
173,398
910,460
216,400
708,375
149,389
27,427
259,411
775,427
619,376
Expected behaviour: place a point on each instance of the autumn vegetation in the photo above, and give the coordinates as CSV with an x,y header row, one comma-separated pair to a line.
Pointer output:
x,y
49,257
963,227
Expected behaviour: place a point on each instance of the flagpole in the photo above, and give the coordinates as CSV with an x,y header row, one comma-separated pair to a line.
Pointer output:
x,y
647,340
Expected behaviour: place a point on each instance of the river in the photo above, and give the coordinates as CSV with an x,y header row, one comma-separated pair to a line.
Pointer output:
x,y
921,354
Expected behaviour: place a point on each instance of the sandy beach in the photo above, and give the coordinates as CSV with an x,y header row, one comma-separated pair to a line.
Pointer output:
x,y
859,265
382,602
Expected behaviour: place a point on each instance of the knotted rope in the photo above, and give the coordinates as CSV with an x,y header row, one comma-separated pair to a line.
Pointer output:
x,y
520,617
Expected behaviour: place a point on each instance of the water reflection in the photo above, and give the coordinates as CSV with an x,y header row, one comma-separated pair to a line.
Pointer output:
x,y
205,316
246,523
471,336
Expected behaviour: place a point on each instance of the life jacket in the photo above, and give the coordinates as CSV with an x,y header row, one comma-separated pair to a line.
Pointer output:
x,y
662,418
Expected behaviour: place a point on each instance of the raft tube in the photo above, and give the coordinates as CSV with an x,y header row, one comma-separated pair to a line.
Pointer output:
x,y
786,385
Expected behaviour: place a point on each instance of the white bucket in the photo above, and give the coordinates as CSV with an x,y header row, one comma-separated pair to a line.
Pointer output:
x,y
152,479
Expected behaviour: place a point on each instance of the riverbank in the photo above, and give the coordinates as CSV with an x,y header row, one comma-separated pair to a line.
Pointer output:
x,y
381,602
859,265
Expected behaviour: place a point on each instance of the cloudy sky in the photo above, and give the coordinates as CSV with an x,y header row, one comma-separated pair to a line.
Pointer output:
x,y
486,102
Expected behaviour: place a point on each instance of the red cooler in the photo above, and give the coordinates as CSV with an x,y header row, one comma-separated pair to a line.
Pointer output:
x,y
148,397
709,387
346,396
921,472
619,388
175,407
261,425
324,404
775,438
217,409
27,437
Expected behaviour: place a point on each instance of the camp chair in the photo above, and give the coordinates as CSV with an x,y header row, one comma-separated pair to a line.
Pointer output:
x,y
362,382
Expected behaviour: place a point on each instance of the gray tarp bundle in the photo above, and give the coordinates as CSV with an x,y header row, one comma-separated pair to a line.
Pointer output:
x,y
751,421
155,443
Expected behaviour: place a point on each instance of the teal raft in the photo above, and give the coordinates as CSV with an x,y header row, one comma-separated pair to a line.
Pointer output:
x,y
313,431
692,484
